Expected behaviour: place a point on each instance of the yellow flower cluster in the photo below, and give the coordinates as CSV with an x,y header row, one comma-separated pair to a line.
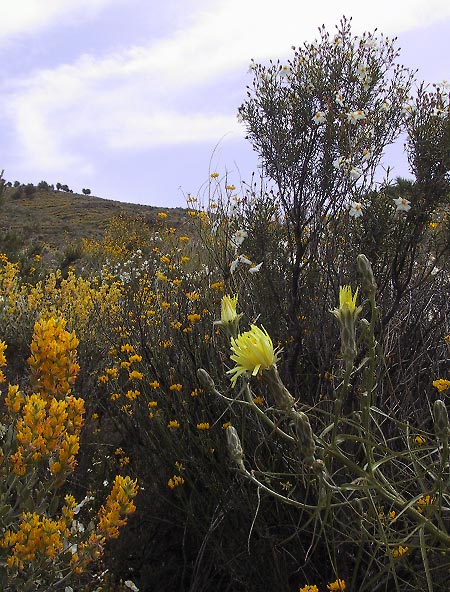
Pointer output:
x,y
175,481
3,347
46,430
424,502
337,585
37,537
111,516
203,426
400,551
10,288
53,358
441,384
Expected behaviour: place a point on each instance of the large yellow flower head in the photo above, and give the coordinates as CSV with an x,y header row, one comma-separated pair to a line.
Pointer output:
x,y
252,351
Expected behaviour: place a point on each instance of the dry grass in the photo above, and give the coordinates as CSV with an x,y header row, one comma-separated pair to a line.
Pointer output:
x,y
57,218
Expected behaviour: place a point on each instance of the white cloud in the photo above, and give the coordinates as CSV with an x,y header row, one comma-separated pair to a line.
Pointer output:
x,y
31,16
137,98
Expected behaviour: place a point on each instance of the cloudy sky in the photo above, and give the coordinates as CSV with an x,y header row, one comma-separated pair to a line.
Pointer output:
x,y
137,99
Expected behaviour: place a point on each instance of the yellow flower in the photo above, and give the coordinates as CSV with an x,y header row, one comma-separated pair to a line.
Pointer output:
x,y
337,585
3,346
441,384
173,424
309,588
193,317
176,387
419,440
175,481
162,215
252,351
347,302
228,312
203,426
399,551
219,285
135,375
423,502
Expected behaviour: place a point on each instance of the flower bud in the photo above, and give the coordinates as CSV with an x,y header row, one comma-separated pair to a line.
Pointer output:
x,y
229,318
347,315
206,380
368,282
440,420
304,435
235,447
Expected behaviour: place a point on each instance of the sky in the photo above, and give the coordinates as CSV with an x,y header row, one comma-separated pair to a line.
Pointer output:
x,y
137,99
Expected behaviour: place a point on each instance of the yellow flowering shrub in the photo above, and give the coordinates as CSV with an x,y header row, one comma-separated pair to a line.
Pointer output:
x,y
40,541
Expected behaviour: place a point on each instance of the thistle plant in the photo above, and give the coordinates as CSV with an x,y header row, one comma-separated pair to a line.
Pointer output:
x,y
355,465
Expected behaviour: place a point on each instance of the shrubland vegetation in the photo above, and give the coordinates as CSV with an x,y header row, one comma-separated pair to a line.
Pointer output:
x,y
258,389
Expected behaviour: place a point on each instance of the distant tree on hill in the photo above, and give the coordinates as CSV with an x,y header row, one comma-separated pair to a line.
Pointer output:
x,y
2,185
16,184
43,186
86,191
29,189
58,186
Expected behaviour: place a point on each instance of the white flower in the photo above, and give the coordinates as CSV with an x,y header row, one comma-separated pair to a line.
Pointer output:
x,y
286,72
341,162
238,238
367,154
355,209
402,204
355,172
320,117
131,585
243,259
354,116
445,84
77,527
234,265
255,268
337,40
363,72
385,105
339,98
407,109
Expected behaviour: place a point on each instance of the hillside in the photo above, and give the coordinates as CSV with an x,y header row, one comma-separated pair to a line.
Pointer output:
x,y
58,218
